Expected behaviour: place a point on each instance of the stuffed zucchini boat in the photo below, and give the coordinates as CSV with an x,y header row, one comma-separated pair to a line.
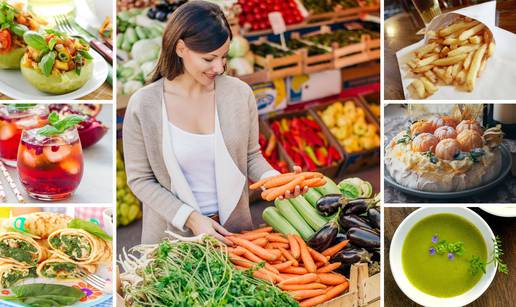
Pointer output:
x,y
56,63
14,22
40,224
10,274
58,268
79,246
20,249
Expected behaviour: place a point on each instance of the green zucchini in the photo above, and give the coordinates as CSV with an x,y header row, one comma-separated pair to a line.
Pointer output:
x,y
294,218
309,213
273,218
312,196
329,188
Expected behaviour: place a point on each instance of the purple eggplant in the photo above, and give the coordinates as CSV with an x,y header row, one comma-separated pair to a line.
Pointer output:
x,y
324,237
374,216
363,237
348,256
348,221
356,206
328,204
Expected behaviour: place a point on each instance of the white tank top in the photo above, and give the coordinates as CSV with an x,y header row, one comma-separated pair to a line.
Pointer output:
x,y
195,154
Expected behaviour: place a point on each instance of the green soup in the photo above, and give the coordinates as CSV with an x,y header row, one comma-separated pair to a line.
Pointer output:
x,y
437,274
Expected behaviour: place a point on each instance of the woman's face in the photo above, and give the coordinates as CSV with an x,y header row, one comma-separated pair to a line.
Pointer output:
x,y
204,67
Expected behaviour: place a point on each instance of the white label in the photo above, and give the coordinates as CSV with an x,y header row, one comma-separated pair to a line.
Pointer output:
x,y
277,22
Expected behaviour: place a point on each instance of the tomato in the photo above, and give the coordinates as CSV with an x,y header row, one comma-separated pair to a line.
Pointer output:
x,y
5,39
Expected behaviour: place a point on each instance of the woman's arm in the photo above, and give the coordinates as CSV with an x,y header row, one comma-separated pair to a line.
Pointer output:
x,y
141,178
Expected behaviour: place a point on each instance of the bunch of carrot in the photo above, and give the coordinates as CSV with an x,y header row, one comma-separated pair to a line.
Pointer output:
x,y
290,263
275,186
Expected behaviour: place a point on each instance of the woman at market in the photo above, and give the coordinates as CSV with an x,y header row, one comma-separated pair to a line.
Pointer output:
x,y
191,136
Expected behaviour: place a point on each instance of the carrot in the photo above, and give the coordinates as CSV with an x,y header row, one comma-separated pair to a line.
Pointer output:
x,y
260,242
277,192
319,264
278,181
262,229
313,183
316,300
309,286
253,258
274,275
294,246
274,251
295,270
317,256
302,279
282,265
241,261
330,251
239,250
337,290
258,184
304,294
277,245
308,261
310,175
253,236
287,276
274,237
289,256
328,268
261,275
255,249
330,278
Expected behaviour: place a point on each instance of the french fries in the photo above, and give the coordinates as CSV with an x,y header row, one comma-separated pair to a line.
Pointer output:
x,y
454,55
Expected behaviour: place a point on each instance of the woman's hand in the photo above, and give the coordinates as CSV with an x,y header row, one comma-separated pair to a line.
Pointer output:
x,y
297,189
199,224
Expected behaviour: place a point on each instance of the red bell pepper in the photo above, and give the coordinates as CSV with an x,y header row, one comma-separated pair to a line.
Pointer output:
x,y
312,124
322,155
334,153
262,140
276,128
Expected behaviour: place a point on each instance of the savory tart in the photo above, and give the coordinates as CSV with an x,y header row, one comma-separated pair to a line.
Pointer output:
x,y
444,154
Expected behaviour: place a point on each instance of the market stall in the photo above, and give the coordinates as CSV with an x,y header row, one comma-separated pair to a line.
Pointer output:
x,y
317,92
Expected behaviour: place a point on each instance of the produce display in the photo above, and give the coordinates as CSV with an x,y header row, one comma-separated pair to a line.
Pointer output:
x,y
55,62
443,153
127,205
270,151
455,54
50,245
141,38
341,37
14,22
304,141
312,50
241,58
255,13
350,126
263,49
164,9
324,6
276,186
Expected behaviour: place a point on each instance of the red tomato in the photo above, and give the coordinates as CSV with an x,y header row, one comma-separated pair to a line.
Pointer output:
x,y
5,39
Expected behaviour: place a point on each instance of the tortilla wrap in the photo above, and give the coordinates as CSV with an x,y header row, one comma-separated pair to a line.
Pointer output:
x,y
40,224
9,268
85,248
38,254
45,267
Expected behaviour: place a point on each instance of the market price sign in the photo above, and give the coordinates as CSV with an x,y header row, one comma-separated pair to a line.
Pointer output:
x,y
277,23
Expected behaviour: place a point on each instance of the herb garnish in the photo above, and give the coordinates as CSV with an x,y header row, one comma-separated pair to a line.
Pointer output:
x,y
405,139
475,155
430,155
57,126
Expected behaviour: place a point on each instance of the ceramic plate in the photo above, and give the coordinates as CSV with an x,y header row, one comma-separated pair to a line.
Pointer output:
x,y
502,211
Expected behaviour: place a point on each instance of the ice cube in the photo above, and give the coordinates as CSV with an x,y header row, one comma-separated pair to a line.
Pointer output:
x,y
57,153
27,122
6,132
72,166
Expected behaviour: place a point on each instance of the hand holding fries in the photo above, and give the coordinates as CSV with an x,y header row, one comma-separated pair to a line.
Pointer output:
x,y
456,54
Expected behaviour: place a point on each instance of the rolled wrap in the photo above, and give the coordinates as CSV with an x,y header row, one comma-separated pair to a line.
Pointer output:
x,y
11,254
71,273
92,249
40,224
7,269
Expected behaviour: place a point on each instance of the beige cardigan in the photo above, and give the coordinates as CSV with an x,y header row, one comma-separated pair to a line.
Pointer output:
x,y
160,184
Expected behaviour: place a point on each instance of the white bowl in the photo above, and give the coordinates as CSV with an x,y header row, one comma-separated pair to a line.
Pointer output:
x,y
417,295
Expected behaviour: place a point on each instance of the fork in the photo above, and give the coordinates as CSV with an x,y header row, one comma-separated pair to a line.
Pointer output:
x,y
96,281
64,24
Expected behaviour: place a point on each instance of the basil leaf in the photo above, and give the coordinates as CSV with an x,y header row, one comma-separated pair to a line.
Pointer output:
x,y
10,16
90,227
53,118
19,30
47,62
61,294
68,122
85,54
52,43
48,131
35,40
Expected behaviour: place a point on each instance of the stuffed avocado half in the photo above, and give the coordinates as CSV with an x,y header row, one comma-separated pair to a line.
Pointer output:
x,y
14,22
56,63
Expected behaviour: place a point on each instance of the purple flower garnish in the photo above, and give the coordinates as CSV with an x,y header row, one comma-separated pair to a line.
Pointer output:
x,y
431,251
435,239
451,256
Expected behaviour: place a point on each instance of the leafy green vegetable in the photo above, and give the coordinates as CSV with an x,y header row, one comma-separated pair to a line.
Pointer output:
x,y
476,265
57,126
90,227
19,29
349,190
39,294
35,40
23,253
47,62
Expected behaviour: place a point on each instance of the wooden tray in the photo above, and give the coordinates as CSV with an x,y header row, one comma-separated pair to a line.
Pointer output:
x,y
279,67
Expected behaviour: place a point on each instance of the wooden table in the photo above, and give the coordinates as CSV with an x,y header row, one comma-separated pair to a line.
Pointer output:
x,y
104,92
500,293
400,31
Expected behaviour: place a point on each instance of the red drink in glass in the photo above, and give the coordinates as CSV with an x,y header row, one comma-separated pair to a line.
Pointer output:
x,y
14,119
50,167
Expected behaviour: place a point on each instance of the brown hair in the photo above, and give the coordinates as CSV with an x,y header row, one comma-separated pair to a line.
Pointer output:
x,y
201,25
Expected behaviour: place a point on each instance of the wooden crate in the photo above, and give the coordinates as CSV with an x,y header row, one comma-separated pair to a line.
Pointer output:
x,y
314,63
369,99
368,287
330,171
355,160
336,15
280,67
372,48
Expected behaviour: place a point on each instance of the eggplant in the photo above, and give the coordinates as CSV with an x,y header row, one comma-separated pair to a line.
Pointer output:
x,y
324,237
356,206
348,256
348,221
374,216
328,204
339,238
364,237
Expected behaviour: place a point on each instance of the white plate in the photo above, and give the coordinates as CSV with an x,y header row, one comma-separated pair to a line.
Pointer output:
x,y
14,85
503,211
